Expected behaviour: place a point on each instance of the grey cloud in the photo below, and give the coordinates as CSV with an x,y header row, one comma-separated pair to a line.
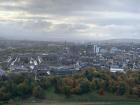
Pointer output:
x,y
70,19
70,6
38,25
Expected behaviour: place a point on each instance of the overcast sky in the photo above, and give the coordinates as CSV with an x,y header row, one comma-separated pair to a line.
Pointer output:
x,y
69,19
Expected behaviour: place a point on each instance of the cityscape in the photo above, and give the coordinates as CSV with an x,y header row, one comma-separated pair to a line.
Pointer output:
x,y
69,52
73,57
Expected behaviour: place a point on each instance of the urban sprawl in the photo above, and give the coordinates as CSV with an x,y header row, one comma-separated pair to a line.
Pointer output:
x,y
70,58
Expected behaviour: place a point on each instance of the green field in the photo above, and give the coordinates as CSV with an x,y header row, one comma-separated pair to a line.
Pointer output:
x,y
91,98
87,99
77,103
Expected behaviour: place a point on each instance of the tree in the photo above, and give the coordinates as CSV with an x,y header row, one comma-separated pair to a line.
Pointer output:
x,y
84,86
38,92
4,94
101,92
24,89
136,91
58,85
45,83
122,88
67,91
89,74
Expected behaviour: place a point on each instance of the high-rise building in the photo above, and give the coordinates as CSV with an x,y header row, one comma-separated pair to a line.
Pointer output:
x,y
96,49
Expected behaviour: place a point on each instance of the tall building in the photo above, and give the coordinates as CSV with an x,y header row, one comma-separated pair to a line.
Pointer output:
x,y
96,49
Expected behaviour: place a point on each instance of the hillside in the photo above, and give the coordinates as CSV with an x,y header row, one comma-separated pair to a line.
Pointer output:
x,y
87,85
121,41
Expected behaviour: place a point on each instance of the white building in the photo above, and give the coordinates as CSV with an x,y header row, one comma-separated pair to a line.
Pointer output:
x,y
97,50
116,68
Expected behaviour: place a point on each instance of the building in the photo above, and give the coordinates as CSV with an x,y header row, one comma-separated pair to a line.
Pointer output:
x,y
114,49
97,51
116,68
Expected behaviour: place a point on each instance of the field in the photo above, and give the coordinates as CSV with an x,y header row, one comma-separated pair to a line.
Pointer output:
x,y
78,103
87,99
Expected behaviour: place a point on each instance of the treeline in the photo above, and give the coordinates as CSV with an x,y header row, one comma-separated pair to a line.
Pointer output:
x,y
90,80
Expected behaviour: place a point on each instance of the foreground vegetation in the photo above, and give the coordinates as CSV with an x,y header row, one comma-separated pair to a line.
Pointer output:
x,y
88,85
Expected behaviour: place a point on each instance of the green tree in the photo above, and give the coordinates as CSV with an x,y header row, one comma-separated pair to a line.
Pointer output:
x,y
67,91
84,86
38,92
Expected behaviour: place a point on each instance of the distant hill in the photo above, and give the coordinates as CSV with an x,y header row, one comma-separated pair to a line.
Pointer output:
x,y
2,38
95,41
122,41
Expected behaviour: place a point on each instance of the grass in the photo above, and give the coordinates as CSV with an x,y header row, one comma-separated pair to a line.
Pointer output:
x,y
80,103
91,98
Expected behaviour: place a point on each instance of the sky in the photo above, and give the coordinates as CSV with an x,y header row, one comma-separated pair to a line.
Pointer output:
x,y
72,20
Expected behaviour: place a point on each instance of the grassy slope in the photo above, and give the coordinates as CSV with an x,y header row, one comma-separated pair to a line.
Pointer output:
x,y
81,103
86,99
92,96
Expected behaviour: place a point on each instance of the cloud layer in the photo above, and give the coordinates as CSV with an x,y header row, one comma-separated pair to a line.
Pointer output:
x,y
69,19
